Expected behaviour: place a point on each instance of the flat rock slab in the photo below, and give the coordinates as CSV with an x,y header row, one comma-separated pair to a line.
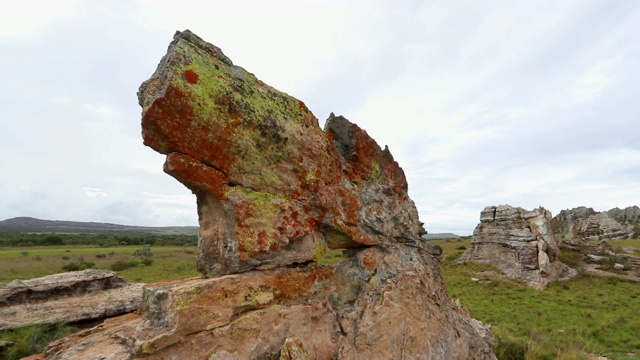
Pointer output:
x,y
67,297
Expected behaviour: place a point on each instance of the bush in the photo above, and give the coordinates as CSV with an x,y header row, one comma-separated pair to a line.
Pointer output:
x,y
37,257
65,258
78,266
124,265
119,265
24,253
145,252
101,256
147,262
71,267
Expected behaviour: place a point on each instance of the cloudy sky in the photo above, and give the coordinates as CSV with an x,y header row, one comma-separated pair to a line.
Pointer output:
x,y
525,103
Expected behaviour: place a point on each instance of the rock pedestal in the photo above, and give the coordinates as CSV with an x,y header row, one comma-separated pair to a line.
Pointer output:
x,y
518,242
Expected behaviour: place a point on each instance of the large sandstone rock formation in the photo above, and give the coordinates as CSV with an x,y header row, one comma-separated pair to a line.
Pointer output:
x,y
584,223
67,297
274,193
518,242
271,186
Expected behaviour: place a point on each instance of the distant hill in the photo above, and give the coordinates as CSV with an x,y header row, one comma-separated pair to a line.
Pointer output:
x,y
33,225
441,236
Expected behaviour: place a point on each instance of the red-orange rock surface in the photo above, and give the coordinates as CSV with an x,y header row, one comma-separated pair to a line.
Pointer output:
x,y
272,187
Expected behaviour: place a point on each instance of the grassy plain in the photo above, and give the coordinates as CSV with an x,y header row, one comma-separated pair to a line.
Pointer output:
x,y
568,320
169,262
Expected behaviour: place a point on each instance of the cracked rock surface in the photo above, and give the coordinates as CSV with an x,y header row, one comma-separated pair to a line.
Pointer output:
x,y
519,242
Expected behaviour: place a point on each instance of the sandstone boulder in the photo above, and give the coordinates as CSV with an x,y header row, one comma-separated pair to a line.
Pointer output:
x,y
271,186
583,223
520,243
275,193
67,297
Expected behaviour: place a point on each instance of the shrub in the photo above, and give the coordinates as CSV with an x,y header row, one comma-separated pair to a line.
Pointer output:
x,y
24,253
119,265
78,266
87,265
147,262
32,339
65,258
71,267
145,252
37,257
101,256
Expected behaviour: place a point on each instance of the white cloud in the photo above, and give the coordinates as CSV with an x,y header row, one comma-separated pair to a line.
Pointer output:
x,y
94,192
102,111
62,100
593,81
28,18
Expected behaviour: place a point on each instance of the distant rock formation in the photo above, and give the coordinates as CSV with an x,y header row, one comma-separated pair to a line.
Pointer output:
x,y
274,193
584,223
520,243
74,296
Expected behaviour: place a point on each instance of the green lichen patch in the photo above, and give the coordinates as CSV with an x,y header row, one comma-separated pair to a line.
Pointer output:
x,y
186,296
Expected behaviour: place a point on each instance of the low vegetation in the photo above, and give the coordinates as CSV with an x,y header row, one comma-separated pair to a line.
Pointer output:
x,y
569,320
31,339
132,263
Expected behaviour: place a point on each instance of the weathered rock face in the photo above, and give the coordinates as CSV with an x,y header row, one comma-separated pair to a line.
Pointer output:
x,y
384,302
272,187
518,242
67,297
583,223
274,193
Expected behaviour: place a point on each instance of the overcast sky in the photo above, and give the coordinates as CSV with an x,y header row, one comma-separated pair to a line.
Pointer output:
x,y
482,103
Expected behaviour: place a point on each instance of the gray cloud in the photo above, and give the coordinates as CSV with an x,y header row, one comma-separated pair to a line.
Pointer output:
x,y
482,103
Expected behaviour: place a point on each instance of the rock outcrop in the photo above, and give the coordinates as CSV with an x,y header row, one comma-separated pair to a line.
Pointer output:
x,y
275,193
382,303
584,223
271,185
520,243
67,297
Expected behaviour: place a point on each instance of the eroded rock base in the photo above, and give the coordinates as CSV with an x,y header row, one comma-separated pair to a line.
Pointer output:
x,y
378,302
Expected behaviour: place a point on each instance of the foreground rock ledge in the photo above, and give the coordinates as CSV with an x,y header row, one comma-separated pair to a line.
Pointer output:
x,y
520,243
379,303
74,296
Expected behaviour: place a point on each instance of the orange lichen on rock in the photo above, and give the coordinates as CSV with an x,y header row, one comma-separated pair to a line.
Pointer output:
x,y
279,178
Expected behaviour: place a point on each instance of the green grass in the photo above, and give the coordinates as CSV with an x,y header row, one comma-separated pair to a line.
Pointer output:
x,y
169,262
31,339
566,321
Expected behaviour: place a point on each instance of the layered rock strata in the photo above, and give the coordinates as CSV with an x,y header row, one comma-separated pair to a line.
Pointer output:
x,y
518,242
384,302
275,193
67,297
584,223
